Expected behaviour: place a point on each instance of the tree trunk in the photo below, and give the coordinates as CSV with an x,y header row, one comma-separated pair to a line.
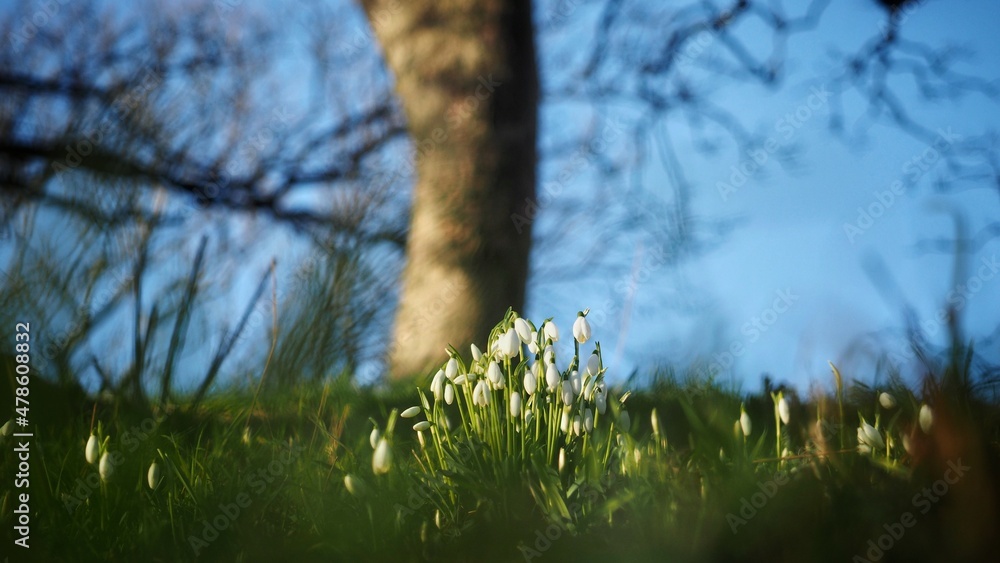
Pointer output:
x,y
467,79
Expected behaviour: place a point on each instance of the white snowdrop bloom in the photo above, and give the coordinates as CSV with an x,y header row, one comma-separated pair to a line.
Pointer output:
x,y
451,369
500,383
154,475
105,468
654,422
7,429
373,437
624,421
93,449
410,412
593,365
745,423
437,385
354,485
481,394
460,380
551,377
576,381
581,329
449,394
477,354
588,420
549,355
577,425
601,401
567,393
887,401
783,410
551,331
382,458
420,438
493,373
869,436
510,344
562,459
533,344
529,416
564,421
926,418
523,330
421,426
907,444
531,380
515,404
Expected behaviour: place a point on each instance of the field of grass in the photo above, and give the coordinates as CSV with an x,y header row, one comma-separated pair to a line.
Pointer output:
x,y
293,475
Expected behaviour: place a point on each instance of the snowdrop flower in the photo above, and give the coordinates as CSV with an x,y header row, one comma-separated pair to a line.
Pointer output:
x,y
515,404
588,420
410,412
105,468
7,429
354,485
481,394
581,329
601,401
551,377
451,369
449,394
564,421
567,393
577,425
745,423
373,437
887,401
783,411
437,385
529,416
421,426
523,330
593,365
926,418
92,450
509,344
477,354
531,380
562,459
551,331
869,436
624,421
654,421
549,355
493,373
533,344
576,381
154,475
460,380
382,459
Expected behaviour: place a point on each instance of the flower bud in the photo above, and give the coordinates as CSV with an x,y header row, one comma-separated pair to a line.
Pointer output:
x,y
410,412
581,329
449,394
523,330
593,365
551,331
745,423
887,401
437,385
154,475
515,404
373,437
382,458
93,449
926,418
531,380
509,343
105,468
477,354
551,377
783,410
451,369
588,420
421,426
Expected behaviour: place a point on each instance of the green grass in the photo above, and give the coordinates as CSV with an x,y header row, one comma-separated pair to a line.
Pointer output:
x,y
679,501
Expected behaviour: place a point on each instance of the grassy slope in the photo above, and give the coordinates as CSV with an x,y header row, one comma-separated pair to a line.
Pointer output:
x,y
672,506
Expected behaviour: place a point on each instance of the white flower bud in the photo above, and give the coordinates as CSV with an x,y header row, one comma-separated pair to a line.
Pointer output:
x,y
601,401
481,394
373,437
551,331
593,365
449,394
745,423
581,329
926,418
562,459
354,485
577,425
588,420
509,343
92,450
437,385
421,426
515,404
531,380
567,393
451,369
382,458
564,421
783,411
887,401
576,381
493,373
523,330
477,354
154,475
551,377
105,468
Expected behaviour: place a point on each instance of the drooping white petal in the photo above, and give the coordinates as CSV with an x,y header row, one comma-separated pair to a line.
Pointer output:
x,y
92,450
154,475
530,381
588,420
106,468
926,418
523,330
382,458
410,412
783,410
601,401
437,384
551,331
551,377
449,394
581,329
373,437
887,401
515,404
477,354
593,365
451,369
422,425
745,423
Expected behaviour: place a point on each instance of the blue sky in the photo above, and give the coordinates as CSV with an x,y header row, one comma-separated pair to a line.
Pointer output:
x,y
791,234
